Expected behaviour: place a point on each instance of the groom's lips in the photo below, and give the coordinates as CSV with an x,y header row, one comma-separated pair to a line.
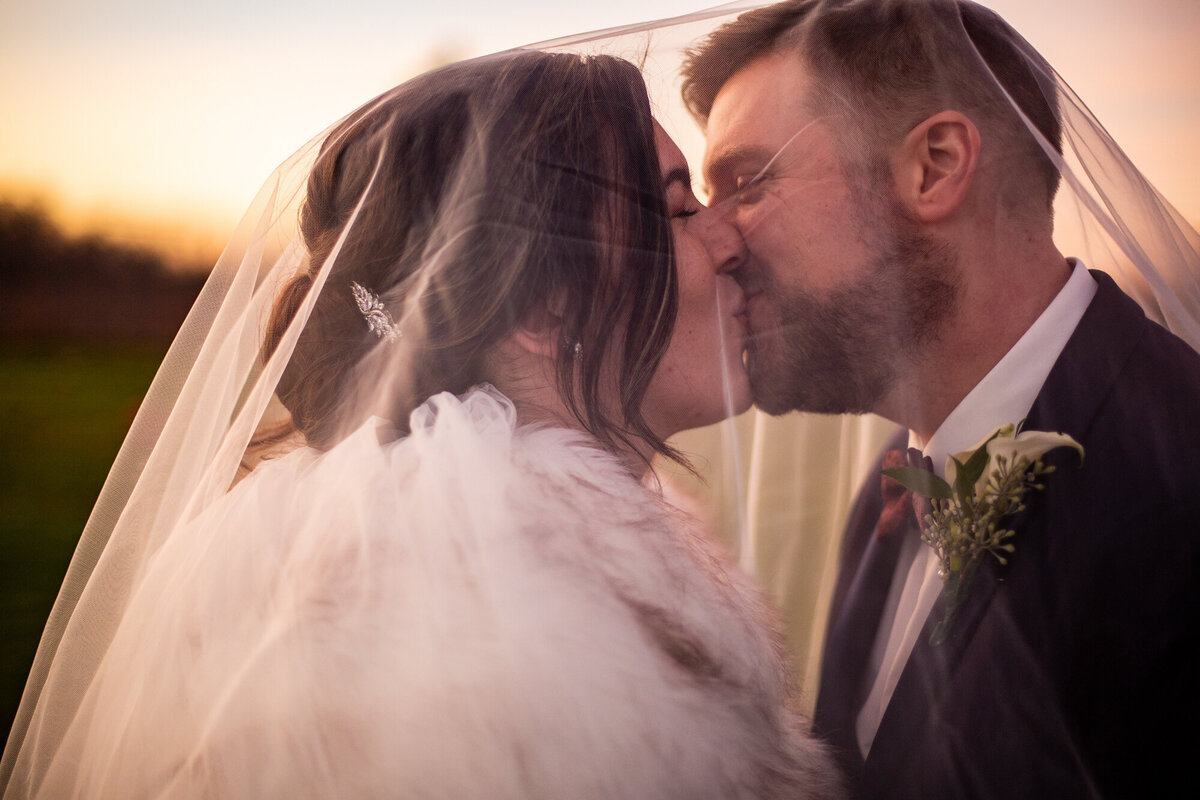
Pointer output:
x,y
744,310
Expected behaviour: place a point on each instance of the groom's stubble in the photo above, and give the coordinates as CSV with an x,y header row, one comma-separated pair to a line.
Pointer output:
x,y
842,352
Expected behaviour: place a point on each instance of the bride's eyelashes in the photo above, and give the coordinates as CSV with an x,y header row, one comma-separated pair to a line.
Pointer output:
x,y
681,203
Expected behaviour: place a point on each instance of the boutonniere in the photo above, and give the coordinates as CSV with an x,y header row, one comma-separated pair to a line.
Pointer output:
x,y
965,511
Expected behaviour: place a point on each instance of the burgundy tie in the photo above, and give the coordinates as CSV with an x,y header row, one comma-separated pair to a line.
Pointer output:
x,y
900,507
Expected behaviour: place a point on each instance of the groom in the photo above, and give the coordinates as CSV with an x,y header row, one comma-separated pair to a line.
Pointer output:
x,y
898,219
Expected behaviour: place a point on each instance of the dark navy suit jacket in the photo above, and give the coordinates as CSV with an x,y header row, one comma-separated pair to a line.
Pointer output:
x,y
1072,671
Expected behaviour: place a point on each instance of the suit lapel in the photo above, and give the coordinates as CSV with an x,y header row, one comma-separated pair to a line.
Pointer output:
x,y
851,638
1091,363
915,702
1078,383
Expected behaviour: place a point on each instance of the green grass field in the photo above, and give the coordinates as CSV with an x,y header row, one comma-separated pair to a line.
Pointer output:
x,y
63,414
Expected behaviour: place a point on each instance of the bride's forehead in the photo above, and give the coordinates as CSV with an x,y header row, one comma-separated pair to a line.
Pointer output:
x,y
670,157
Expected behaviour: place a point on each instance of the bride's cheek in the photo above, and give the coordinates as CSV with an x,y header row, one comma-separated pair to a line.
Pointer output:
x,y
692,264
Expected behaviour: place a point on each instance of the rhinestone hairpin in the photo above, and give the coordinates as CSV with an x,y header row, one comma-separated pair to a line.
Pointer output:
x,y
379,321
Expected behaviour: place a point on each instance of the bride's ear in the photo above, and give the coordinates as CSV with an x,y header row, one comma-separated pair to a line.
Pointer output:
x,y
540,331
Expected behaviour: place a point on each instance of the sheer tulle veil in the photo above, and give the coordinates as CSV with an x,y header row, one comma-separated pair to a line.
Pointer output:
x,y
777,489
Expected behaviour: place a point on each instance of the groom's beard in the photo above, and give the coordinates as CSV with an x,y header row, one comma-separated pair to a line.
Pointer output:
x,y
842,352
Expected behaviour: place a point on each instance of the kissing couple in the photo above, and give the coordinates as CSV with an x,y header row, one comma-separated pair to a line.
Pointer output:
x,y
391,521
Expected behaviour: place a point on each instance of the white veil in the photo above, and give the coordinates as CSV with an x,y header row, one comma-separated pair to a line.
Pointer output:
x,y
781,487
777,488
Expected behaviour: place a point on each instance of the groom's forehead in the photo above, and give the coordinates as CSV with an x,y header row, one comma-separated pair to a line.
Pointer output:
x,y
777,80
770,93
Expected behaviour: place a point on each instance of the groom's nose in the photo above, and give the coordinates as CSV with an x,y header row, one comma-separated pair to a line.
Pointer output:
x,y
725,243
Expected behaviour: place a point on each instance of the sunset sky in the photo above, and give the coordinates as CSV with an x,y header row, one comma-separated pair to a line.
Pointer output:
x,y
156,120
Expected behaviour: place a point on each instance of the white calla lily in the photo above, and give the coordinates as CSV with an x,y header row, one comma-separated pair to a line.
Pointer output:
x,y
1030,445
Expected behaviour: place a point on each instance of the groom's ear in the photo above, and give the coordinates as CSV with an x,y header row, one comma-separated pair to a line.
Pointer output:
x,y
934,166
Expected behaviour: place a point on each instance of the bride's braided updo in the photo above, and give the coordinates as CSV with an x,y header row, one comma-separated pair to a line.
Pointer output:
x,y
465,199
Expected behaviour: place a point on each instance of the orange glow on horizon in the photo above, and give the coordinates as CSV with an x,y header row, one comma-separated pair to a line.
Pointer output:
x,y
184,241
161,137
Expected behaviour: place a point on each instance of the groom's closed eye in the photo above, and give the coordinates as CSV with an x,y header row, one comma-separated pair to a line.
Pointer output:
x,y
744,188
750,188
732,170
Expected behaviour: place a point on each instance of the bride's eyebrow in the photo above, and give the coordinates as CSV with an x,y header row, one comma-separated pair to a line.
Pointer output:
x,y
681,175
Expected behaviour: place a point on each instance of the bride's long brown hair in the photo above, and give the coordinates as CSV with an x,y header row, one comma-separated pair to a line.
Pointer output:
x,y
464,199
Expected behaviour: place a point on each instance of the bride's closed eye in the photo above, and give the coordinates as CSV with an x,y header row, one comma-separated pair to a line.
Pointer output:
x,y
677,188
681,203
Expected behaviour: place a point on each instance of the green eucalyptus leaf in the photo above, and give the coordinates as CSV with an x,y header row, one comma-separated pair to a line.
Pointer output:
x,y
921,481
964,487
969,473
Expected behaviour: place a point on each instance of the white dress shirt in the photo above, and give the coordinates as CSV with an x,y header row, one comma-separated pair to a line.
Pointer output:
x,y
1005,395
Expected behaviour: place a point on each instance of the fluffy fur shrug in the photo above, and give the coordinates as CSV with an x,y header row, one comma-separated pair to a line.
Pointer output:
x,y
478,610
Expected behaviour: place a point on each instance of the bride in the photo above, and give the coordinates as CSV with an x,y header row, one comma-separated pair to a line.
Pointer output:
x,y
398,535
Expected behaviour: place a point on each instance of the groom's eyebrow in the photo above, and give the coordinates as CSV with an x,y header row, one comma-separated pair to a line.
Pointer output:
x,y
728,161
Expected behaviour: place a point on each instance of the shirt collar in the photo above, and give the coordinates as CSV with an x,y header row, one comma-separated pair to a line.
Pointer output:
x,y
1008,391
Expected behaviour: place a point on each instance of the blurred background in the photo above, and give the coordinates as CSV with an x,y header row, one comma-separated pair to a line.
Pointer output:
x,y
135,132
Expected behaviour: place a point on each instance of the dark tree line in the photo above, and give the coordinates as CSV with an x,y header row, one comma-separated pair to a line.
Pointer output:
x,y
54,286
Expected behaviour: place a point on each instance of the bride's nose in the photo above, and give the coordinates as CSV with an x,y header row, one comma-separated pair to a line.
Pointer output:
x,y
725,244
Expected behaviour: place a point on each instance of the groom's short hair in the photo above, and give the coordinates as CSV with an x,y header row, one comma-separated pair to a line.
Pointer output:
x,y
886,65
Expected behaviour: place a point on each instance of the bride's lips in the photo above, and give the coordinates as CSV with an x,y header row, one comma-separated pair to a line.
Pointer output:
x,y
743,310
741,317
731,296
739,308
